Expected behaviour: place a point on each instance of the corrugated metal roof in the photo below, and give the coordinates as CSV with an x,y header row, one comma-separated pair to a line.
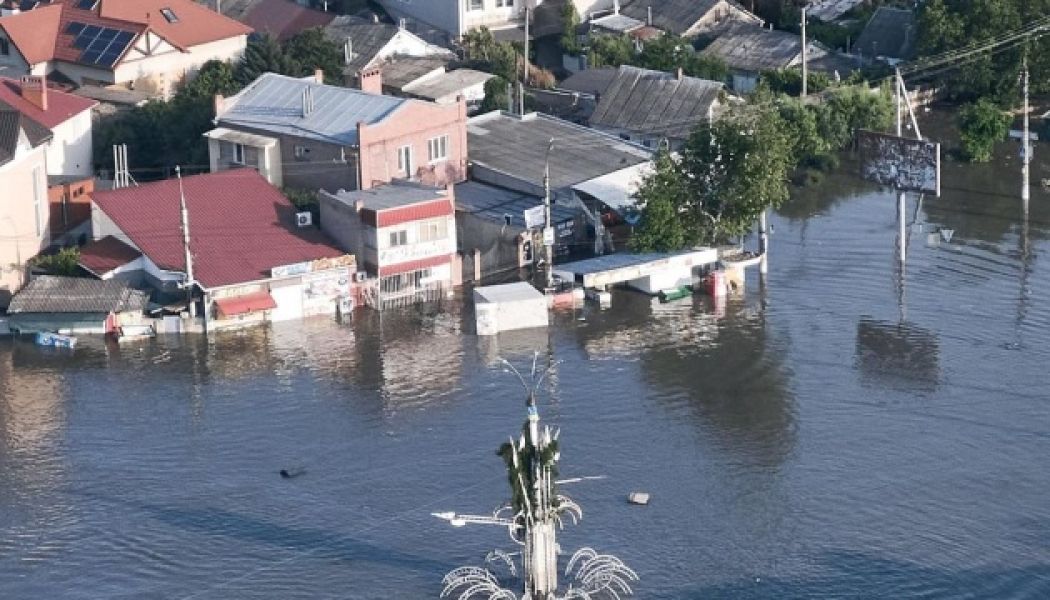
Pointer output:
x,y
396,194
679,16
52,294
274,103
655,103
240,137
400,71
367,39
446,84
590,81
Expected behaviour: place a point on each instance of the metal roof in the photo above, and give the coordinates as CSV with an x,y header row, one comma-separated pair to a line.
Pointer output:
x,y
507,292
240,137
678,16
12,125
367,39
274,103
590,81
496,204
517,147
52,294
400,71
655,103
617,22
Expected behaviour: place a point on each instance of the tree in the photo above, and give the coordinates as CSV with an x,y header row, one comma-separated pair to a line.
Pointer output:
x,y
65,262
660,196
495,95
311,49
264,55
610,51
570,20
981,125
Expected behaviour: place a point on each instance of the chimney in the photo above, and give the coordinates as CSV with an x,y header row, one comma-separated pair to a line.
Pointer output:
x,y
219,103
319,76
370,80
34,89
348,51
679,74
359,205
375,18
308,101
616,7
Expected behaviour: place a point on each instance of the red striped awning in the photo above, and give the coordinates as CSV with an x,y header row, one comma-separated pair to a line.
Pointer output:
x,y
239,305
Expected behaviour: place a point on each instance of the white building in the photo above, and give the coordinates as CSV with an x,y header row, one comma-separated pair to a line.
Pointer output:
x,y
67,116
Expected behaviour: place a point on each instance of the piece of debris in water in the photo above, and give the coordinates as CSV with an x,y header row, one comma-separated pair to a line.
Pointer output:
x,y
293,472
639,498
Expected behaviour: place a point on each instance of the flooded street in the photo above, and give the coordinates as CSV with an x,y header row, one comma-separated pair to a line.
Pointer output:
x,y
844,430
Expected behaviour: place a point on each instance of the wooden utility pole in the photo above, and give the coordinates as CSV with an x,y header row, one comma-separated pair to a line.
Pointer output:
x,y
805,56
525,75
1026,143
902,197
548,229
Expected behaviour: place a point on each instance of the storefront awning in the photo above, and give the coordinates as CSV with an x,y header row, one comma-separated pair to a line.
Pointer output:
x,y
239,305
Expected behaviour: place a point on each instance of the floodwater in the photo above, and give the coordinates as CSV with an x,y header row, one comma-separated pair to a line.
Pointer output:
x,y
844,430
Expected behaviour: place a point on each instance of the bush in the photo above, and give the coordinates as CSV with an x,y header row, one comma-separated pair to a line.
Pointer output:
x,y
64,262
981,125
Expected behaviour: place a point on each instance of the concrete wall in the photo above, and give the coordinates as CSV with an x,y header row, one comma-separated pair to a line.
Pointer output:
x,y
498,248
69,152
343,224
24,213
414,124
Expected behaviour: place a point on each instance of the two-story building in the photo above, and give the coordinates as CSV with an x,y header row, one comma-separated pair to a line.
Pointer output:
x,y
148,45
301,133
404,235
23,196
68,116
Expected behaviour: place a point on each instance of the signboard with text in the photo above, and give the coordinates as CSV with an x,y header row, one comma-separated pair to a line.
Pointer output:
x,y
905,164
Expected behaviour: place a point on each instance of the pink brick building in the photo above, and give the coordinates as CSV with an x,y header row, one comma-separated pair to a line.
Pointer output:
x,y
300,133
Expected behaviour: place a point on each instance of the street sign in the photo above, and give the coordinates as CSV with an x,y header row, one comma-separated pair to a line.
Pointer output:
x,y
535,217
905,164
548,236
1016,134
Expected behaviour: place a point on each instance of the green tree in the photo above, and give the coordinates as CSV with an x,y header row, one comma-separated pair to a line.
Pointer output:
x,y
65,262
660,197
570,20
310,50
495,95
610,51
981,125
264,55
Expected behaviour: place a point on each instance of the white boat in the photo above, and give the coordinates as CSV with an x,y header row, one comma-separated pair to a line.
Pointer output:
x,y
56,340
135,332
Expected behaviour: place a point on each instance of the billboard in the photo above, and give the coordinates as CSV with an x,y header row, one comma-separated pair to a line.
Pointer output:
x,y
905,164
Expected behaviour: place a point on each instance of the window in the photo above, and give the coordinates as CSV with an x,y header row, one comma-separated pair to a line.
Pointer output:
x,y
38,200
5,47
433,230
504,3
169,15
404,160
437,148
238,153
398,238
475,4
302,153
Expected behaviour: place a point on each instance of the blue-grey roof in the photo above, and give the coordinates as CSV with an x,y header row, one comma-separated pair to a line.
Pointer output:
x,y
274,103
655,103
493,203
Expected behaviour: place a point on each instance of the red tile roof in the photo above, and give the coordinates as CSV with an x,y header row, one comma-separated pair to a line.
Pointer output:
x,y
104,255
33,32
60,105
40,34
239,305
240,226
284,18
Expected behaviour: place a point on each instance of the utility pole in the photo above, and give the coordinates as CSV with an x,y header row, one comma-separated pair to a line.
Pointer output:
x,y
548,230
525,76
186,243
805,56
1026,143
902,198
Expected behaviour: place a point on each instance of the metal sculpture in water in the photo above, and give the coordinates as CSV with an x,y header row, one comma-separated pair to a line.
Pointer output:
x,y
534,514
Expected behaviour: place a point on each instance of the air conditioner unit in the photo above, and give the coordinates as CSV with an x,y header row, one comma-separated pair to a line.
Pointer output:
x,y
360,276
304,219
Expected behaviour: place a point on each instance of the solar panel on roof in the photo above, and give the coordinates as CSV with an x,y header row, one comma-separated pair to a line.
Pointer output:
x,y
74,28
107,34
91,56
86,4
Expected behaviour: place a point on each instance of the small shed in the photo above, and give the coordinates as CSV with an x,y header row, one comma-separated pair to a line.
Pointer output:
x,y
649,272
73,305
508,307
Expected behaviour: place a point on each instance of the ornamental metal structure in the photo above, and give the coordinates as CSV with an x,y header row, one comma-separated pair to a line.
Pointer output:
x,y
533,516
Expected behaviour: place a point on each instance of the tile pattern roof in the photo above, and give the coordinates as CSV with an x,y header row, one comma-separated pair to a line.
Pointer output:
x,y
12,125
679,16
752,48
240,226
41,34
590,81
61,106
891,32
104,255
274,103
284,18
495,204
655,103
517,146
52,294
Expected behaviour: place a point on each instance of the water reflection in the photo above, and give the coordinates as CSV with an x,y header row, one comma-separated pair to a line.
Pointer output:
x,y
900,355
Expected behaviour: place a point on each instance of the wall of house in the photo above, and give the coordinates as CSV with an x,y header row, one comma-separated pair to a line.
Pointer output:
x,y
350,233
69,152
164,69
586,7
23,215
102,225
414,124
443,14
70,207
499,248
492,16
13,63
325,166
265,160
417,248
